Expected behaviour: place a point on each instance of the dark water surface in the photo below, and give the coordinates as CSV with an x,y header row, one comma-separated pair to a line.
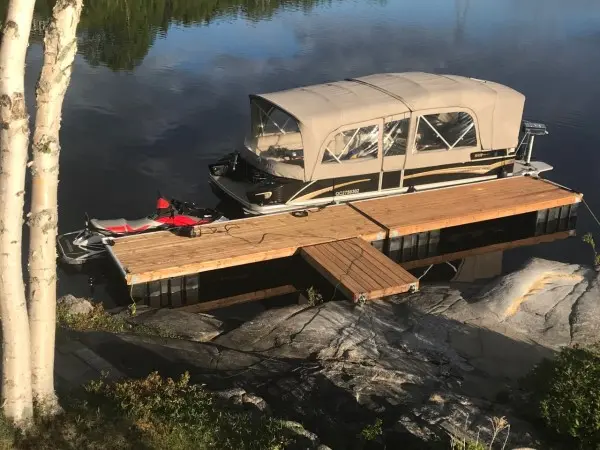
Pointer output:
x,y
160,87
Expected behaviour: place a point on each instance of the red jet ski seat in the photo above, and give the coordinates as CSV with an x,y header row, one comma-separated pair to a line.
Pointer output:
x,y
167,215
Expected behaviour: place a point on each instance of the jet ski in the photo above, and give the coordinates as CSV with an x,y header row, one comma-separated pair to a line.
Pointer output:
x,y
80,246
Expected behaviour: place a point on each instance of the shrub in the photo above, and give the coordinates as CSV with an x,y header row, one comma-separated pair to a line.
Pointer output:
x,y
179,415
97,320
588,238
566,393
372,431
80,426
101,320
148,413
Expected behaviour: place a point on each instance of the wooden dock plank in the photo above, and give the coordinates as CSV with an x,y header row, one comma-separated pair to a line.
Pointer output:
x,y
372,263
361,261
156,256
286,239
342,260
368,256
433,210
164,255
343,263
334,274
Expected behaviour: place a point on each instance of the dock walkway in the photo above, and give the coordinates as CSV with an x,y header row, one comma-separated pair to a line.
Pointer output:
x,y
157,256
358,269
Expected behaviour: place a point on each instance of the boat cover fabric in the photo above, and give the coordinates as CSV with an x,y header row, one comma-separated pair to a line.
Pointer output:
x,y
279,169
322,109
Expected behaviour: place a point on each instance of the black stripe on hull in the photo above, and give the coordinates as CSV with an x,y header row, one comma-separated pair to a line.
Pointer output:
x,y
343,186
300,192
356,184
488,154
391,180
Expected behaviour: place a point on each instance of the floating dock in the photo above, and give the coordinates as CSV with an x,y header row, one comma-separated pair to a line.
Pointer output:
x,y
346,243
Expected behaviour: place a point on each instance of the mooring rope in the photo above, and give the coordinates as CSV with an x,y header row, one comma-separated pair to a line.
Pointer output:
x,y
453,267
591,212
425,273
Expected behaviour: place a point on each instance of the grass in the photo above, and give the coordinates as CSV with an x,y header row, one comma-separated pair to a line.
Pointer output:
x,y
100,320
588,238
457,443
498,426
150,413
315,298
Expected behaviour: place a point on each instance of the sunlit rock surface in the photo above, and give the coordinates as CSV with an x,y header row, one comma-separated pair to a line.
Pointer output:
x,y
445,359
75,306
195,327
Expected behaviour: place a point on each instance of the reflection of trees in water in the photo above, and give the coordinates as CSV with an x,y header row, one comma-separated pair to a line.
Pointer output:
x,y
119,33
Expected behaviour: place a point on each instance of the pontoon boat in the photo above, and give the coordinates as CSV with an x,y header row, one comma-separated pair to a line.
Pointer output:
x,y
375,136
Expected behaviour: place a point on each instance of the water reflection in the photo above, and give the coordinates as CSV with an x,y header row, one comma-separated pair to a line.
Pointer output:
x,y
118,34
160,86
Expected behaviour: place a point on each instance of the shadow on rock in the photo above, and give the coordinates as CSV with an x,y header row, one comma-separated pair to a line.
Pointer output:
x,y
435,362
337,369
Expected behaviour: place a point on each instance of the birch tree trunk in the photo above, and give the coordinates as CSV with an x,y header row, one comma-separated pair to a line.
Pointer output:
x,y
14,141
60,47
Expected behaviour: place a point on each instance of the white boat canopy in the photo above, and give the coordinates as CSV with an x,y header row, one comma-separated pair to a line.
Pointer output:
x,y
291,127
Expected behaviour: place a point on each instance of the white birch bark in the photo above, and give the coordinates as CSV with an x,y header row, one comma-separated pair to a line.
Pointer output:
x,y
14,141
60,47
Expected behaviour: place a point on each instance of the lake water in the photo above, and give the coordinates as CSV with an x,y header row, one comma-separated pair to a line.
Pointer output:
x,y
160,87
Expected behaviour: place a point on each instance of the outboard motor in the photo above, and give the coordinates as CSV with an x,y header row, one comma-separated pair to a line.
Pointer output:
x,y
529,131
224,165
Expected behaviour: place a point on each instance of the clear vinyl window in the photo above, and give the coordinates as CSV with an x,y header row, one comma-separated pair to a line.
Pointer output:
x,y
395,137
445,131
349,145
275,134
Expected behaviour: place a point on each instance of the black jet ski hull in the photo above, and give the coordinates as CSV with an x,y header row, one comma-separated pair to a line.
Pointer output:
x,y
72,252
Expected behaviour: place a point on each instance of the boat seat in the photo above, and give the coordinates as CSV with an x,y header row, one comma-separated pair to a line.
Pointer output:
x,y
124,225
293,141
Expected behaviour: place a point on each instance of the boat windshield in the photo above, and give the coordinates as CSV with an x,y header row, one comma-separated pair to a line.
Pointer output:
x,y
275,134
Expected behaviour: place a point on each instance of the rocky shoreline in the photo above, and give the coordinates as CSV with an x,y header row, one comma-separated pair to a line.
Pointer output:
x,y
443,360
